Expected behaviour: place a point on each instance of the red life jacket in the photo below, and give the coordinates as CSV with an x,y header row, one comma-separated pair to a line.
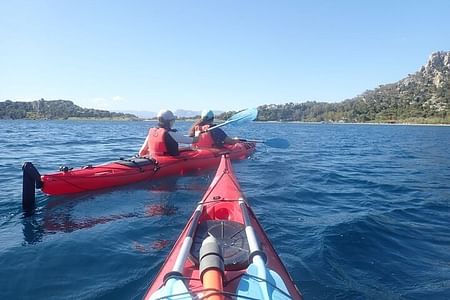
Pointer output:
x,y
156,142
205,140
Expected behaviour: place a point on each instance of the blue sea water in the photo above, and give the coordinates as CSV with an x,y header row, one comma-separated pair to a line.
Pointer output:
x,y
354,211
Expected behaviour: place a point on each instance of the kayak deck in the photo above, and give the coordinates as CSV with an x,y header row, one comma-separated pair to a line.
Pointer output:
x,y
225,215
123,172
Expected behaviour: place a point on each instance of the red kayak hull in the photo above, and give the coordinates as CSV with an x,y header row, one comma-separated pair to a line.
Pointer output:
x,y
117,173
221,204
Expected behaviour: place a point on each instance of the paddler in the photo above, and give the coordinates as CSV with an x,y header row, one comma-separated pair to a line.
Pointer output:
x,y
213,138
163,139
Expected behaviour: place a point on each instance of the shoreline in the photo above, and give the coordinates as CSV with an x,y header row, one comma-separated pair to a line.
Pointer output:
x,y
355,123
259,122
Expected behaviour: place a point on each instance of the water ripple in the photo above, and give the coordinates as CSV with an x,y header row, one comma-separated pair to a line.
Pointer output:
x,y
354,211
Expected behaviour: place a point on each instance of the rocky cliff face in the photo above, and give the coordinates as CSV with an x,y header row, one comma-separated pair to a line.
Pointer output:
x,y
437,69
423,94
422,97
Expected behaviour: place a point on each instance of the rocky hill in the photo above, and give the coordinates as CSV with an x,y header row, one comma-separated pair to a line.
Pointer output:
x,y
55,109
423,97
425,94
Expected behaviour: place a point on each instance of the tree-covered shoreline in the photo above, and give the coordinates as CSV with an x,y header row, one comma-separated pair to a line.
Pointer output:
x,y
55,110
420,98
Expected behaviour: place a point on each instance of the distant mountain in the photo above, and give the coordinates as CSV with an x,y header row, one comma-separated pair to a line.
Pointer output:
x,y
422,97
141,114
65,109
55,109
182,113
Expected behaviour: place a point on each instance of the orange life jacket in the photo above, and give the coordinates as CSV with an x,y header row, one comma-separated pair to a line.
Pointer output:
x,y
205,140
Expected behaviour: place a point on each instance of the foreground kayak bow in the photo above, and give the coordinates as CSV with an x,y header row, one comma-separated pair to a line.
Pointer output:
x,y
223,252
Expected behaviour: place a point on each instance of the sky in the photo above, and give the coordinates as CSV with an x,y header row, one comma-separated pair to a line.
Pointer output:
x,y
210,54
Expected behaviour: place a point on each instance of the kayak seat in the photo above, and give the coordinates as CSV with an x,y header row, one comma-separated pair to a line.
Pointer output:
x,y
231,238
137,161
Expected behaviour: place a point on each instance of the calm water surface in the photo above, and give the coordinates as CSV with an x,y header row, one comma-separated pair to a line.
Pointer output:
x,y
354,211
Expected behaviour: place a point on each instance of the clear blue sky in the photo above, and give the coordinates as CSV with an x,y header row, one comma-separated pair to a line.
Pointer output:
x,y
225,55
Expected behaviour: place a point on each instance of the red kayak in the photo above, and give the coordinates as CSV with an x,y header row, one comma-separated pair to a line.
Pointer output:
x,y
127,171
223,252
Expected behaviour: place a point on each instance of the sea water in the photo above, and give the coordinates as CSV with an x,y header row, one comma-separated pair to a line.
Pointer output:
x,y
354,211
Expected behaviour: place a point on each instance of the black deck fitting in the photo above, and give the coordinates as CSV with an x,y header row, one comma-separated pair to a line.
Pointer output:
x,y
31,181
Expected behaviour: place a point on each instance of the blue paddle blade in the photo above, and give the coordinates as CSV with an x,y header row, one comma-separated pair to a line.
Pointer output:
x,y
244,116
173,289
274,143
260,282
247,115
277,143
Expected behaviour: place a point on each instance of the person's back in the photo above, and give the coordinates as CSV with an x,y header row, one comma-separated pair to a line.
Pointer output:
x,y
205,137
209,138
161,143
163,140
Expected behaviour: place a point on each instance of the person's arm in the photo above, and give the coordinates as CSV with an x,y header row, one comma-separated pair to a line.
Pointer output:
x,y
182,139
144,148
191,131
229,140
220,137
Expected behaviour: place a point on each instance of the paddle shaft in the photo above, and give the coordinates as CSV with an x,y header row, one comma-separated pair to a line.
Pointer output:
x,y
249,231
173,281
220,125
258,258
249,114
274,142
255,141
187,242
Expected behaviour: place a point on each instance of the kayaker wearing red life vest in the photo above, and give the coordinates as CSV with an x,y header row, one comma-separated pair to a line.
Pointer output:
x,y
215,138
163,140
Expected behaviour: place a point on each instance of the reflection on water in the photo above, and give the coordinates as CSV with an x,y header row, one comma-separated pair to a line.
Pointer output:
x,y
67,214
161,209
355,211
33,231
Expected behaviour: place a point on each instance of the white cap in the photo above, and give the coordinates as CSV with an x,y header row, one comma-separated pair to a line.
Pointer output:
x,y
166,115
207,114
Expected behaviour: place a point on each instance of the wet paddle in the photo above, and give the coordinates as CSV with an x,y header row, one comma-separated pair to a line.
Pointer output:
x,y
259,281
174,287
244,116
274,142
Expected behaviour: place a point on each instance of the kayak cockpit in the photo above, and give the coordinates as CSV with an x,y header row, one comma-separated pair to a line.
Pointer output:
x,y
231,238
137,162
